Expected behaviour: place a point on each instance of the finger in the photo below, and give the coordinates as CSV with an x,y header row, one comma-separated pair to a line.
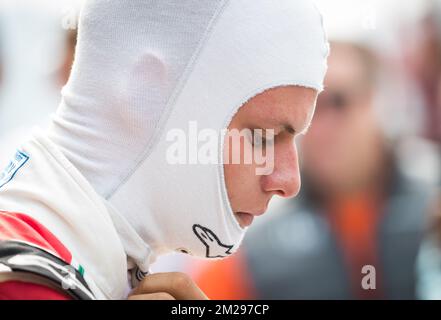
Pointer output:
x,y
177,284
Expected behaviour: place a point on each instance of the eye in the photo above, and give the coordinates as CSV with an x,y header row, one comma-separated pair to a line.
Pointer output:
x,y
260,139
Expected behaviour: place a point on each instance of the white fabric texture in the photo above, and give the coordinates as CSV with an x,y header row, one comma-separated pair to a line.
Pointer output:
x,y
53,192
143,68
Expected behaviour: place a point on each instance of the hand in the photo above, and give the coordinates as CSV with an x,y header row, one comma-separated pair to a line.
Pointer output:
x,y
167,286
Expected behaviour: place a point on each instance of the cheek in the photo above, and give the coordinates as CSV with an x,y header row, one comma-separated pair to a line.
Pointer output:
x,y
242,185
237,147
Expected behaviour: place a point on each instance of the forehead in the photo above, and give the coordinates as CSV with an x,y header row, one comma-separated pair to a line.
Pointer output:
x,y
288,104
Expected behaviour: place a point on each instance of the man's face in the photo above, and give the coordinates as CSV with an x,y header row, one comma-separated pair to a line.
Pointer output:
x,y
343,147
288,112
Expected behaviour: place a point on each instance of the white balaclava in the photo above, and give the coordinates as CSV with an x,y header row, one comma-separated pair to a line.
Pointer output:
x,y
145,67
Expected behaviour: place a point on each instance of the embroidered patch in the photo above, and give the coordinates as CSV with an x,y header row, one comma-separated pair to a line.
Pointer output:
x,y
8,174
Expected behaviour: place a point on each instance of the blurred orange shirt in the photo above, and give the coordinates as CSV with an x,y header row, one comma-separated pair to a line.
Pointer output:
x,y
226,279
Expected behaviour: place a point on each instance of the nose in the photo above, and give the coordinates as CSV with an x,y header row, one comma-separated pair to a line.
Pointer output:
x,y
285,179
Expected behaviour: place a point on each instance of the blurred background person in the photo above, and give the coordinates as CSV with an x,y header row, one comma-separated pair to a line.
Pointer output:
x,y
1,58
356,208
423,61
63,71
37,53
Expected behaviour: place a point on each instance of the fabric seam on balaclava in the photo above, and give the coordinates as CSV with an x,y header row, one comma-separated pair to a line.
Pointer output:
x,y
176,92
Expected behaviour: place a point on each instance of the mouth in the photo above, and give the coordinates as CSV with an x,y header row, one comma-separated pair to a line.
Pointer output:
x,y
245,219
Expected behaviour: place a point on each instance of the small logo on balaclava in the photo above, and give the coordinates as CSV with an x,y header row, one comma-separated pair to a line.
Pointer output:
x,y
214,247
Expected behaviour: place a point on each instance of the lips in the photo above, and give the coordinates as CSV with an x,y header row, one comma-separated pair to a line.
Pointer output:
x,y
245,219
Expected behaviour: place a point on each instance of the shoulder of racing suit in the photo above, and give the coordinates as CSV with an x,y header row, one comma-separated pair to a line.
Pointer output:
x,y
34,264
